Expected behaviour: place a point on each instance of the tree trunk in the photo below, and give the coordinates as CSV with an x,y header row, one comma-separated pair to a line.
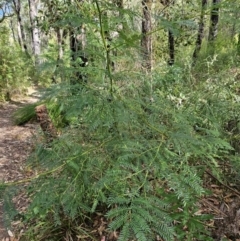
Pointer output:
x,y
78,56
60,42
171,46
146,41
200,32
213,29
21,34
118,14
12,30
171,40
33,12
77,39
238,44
61,35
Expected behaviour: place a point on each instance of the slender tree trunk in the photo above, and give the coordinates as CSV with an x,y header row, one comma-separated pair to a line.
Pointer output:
x,y
21,34
78,55
171,39
213,29
108,37
119,4
61,36
20,39
200,32
118,14
238,44
60,42
12,30
171,46
146,41
33,12
78,42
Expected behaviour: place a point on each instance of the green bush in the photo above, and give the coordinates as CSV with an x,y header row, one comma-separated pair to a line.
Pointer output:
x,y
137,162
15,67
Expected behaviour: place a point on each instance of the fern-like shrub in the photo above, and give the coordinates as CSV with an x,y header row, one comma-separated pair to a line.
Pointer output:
x,y
137,162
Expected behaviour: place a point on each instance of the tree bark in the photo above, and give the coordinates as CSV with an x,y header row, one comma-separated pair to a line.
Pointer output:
x,y
146,41
12,30
78,42
171,46
238,44
61,36
118,14
21,34
33,12
200,32
213,29
78,56
60,42
171,39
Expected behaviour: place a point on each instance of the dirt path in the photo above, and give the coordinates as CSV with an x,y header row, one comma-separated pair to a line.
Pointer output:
x,y
15,145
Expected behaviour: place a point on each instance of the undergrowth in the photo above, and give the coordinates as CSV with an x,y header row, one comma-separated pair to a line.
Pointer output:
x,y
139,163
15,67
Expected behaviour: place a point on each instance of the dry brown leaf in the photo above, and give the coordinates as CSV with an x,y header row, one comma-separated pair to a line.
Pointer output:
x,y
113,236
10,233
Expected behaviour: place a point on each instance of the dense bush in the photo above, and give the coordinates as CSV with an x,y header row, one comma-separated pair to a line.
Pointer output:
x,y
138,162
15,67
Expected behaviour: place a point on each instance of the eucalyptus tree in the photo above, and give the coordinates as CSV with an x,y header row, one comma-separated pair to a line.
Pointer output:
x,y
35,31
54,17
78,41
146,41
54,21
17,6
230,24
171,38
115,14
214,19
200,34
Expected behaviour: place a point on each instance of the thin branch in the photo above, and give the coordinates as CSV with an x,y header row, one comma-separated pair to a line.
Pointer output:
x,y
166,6
233,190
107,49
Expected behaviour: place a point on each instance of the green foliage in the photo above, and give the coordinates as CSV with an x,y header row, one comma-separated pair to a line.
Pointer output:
x,y
142,161
24,114
138,216
15,67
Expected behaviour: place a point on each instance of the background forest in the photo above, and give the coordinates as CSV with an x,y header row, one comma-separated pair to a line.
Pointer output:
x,y
145,99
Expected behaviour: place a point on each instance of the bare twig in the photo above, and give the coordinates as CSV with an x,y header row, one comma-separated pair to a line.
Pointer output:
x,y
233,190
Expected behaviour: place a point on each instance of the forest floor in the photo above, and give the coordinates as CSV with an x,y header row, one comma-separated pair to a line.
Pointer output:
x,y
15,146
